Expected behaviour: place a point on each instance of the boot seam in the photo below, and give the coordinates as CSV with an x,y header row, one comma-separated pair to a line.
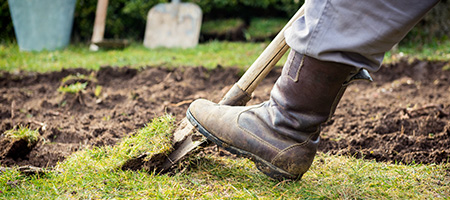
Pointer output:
x,y
297,73
340,93
336,101
291,147
252,134
289,62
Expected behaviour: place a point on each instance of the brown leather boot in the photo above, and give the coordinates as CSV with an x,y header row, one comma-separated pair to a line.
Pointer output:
x,y
280,135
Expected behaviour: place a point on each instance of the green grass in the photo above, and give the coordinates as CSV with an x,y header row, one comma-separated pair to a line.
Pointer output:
x,y
75,84
23,133
98,90
155,138
208,55
435,51
77,77
261,28
73,88
94,173
221,26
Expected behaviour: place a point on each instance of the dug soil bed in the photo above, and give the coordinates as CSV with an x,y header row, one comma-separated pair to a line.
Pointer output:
x,y
402,116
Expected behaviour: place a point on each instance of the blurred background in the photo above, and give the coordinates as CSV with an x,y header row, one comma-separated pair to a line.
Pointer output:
x,y
232,20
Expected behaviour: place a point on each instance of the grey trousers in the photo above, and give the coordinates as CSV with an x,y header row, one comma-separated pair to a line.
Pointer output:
x,y
354,32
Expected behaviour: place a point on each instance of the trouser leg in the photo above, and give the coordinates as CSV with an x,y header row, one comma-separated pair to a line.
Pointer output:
x,y
356,33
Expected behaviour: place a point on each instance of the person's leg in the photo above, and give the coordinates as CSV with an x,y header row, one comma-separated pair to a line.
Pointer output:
x,y
281,135
356,33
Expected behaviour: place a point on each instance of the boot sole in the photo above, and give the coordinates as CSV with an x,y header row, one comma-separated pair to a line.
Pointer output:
x,y
265,167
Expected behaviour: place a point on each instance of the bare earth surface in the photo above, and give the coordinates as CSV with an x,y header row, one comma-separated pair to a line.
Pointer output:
x,y
402,116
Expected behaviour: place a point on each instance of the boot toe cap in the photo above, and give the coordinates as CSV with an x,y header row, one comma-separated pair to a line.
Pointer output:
x,y
201,108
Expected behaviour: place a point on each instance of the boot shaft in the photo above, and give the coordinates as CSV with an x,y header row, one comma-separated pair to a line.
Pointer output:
x,y
306,94
281,135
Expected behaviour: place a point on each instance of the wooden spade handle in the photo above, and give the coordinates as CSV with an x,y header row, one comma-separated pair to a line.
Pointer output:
x,y
99,23
241,92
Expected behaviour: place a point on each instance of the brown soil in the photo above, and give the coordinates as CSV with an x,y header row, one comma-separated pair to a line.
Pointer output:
x,y
402,116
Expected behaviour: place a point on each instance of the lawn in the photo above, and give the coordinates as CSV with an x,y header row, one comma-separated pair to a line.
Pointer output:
x,y
208,55
94,173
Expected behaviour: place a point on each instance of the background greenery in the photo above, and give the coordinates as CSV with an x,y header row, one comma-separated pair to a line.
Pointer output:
x,y
127,18
130,15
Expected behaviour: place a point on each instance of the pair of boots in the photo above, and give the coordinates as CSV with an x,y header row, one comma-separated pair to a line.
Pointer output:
x,y
280,135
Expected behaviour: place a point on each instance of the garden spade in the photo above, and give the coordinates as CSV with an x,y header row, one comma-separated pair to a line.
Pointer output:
x,y
173,24
187,140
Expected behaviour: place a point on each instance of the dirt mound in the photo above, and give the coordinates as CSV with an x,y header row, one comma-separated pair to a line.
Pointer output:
x,y
129,99
402,116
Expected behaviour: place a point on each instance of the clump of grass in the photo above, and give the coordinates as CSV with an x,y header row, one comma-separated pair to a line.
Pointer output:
x,y
74,84
23,133
98,90
74,88
155,138
78,78
446,67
